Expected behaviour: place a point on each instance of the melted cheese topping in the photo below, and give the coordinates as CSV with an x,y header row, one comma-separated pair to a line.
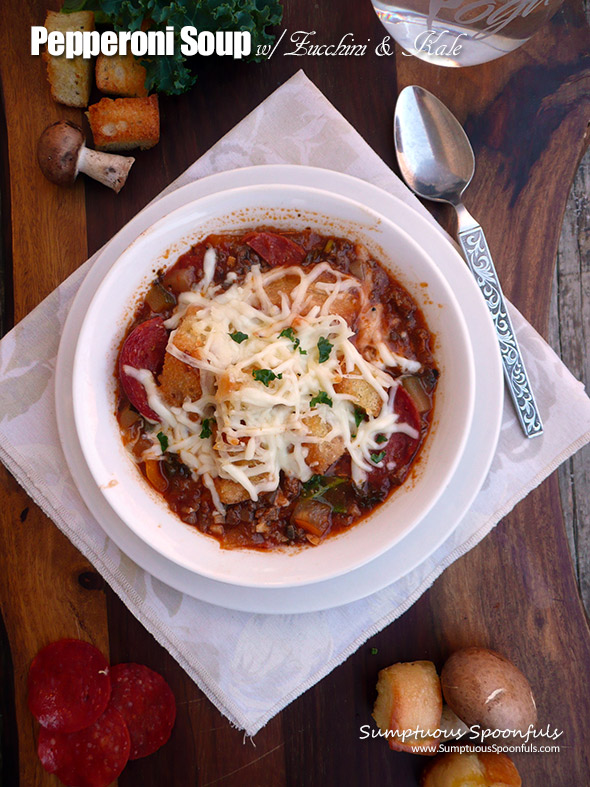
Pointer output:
x,y
262,396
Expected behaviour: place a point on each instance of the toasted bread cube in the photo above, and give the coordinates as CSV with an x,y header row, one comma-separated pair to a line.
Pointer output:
x,y
125,123
363,394
320,456
187,338
120,75
409,698
281,286
230,492
484,769
70,80
179,381
347,304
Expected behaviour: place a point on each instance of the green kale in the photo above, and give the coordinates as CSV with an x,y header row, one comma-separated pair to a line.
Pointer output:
x,y
170,73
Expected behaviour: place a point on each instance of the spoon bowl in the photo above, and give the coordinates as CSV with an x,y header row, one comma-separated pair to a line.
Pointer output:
x,y
434,154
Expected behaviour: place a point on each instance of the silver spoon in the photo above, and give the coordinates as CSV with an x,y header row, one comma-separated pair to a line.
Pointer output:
x,y
437,162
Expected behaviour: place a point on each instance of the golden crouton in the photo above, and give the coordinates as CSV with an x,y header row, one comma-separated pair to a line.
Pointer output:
x,y
409,697
320,456
230,492
70,80
363,394
277,287
120,75
347,304
187,339
125,123
179,381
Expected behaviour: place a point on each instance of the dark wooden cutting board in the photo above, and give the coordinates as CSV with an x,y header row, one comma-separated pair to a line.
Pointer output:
x,y
527,116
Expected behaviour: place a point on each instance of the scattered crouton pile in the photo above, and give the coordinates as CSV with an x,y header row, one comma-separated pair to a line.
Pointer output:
x,y
117,125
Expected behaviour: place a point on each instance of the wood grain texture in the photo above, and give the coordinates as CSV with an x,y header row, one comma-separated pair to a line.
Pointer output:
x,y
570,337
41,596
515,592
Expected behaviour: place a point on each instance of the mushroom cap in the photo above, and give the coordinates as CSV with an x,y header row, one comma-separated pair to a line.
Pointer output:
x,y
482,687
57,151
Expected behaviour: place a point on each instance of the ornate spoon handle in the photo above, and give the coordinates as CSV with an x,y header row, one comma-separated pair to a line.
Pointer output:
x,y
480,263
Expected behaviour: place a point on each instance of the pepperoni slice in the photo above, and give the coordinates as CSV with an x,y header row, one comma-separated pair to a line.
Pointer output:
x,y
69,685
147,704
401,447
144,348
275,249
92,757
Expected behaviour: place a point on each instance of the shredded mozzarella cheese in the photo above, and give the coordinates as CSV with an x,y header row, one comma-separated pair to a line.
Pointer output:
x,y
257,392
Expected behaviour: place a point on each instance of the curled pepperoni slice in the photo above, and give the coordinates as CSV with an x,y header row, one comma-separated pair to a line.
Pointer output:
x,y
275,249
401,447
69,685
92,757
147,705
144,348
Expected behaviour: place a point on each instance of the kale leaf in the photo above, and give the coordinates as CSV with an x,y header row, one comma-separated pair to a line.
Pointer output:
x,y
171,73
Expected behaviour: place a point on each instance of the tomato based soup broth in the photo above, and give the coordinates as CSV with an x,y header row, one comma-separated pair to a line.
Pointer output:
x,y
275,387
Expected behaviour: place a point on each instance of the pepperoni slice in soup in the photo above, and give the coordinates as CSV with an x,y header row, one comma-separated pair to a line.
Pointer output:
x,y
147,704
401,447
144,348
92,757
275,249
69,685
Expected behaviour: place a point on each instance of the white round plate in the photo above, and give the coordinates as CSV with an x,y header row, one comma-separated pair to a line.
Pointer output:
x,y
284,206
430,532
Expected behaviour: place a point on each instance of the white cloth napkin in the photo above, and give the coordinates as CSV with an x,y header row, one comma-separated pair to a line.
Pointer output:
x,y
251,666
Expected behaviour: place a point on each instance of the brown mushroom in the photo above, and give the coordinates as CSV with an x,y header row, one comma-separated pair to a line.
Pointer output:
x,y
62,153
484,688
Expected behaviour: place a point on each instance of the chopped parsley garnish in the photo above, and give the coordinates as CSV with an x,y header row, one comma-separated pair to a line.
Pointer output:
x,y
324,349
374,651
266,376
163,440
359,415
206,429
239,337
302,352
378,457
321,398
289,333
381,438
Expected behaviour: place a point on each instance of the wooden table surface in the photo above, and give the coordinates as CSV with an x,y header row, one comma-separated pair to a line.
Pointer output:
x,y
527,115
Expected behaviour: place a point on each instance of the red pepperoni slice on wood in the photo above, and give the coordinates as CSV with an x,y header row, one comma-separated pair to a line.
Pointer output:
x,y
275,249
144,348
69,685
401,447
92,757
147,705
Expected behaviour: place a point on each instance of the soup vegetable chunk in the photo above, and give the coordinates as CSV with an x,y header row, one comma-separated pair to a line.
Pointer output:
x,y
275,387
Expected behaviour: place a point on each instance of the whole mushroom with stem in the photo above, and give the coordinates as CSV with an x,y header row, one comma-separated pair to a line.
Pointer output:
x,y
62,154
